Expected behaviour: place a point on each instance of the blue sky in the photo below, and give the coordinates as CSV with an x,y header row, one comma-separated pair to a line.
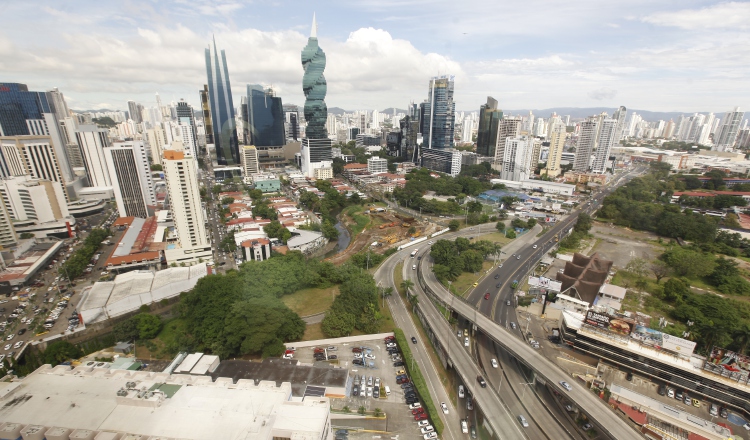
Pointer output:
x,y
685,55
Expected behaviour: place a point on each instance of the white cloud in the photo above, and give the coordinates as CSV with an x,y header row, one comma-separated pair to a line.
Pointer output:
x,y
731,15
603,94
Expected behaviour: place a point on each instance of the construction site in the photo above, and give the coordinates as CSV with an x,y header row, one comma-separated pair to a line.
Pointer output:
x,y
385,229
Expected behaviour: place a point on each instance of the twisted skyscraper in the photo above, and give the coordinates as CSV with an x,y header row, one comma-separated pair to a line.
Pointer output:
x,y
314,86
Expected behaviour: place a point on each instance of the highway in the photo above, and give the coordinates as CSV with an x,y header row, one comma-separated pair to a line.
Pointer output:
x,y
515,268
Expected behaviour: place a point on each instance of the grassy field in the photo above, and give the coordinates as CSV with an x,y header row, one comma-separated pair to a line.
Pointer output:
x,y
466,279
166,336
307,302
360,220
398,278
496,237
313,332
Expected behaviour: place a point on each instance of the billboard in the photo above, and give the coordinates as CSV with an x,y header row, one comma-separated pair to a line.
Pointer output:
x,y
608,322
545,283
728,364
649,336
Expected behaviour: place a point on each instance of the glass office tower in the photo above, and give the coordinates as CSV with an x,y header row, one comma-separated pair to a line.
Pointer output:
x,y
17,104
222,108
314,86
265,117
439,113
489,119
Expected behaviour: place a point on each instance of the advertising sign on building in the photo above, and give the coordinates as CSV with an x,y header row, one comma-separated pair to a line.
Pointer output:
x,y
679,345
607,322
728,364
545,283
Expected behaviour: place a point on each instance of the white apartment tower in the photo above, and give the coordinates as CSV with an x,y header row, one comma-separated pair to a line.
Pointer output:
x,y
249,161
181,173
27,198
130,174
586,144
728,129
33,156
509,127
607,138
517,159
93,140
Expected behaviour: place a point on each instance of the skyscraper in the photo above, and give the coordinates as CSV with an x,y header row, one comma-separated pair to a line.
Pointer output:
x,y
517,158
17,104
127,164
607,138
440,113
93,140
206,109
619,116
489,119
586,144
728,129
33,156
315,150
314,86
181,173
134,111
556,134
507,128
265,117
222,108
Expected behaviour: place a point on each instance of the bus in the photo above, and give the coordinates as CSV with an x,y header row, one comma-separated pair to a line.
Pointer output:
x,y
414,252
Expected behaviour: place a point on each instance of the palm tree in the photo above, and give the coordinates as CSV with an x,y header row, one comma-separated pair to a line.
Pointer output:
x,y
385,292
406,285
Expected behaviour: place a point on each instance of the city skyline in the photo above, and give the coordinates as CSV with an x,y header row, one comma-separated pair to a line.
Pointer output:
x,y
635,53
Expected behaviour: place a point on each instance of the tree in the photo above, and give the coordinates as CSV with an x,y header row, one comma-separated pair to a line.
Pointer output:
x,y
510,233
227,200
329,231
337,324
355,199
276,230
502,214
583,224
531,223
60,351
255,323
659,269
687,262
500,226
674,289
453,225
731,221
156,167
637,266
472,260
148,325
27,235
406,285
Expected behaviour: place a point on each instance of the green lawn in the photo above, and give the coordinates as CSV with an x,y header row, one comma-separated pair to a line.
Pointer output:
x,y
360,220
496,237
466,279
311,301
313,333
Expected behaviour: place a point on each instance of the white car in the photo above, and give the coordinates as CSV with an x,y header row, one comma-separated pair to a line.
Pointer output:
x,y
426,429
444,407
430,436
369,356
10,336
464,427
466,342
415,405
565,385
2,356
423,423
391,345
18,344
7,347
494,363
461,393
534,247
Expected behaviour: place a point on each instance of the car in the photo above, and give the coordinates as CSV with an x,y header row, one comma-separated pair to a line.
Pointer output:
x,y
420,416
416,411
507,302
410,395
469,403
413,340
466,342
513,325
356,350
7,347
423,423
444,407
534,246
10,337
369,356
390,345
723,412
398,364
566,385
415,406
494,363
355,391
430,436
670,392
464,427
18,344
473,431
518,257
686,400
522,420
499,285
466,332
376,393
400,372
410,400
678,395
482,382
487,295
568,408
746,426
586,427
429,242
406,385
475,284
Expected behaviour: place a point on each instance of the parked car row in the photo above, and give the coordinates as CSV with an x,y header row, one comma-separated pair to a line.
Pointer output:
x,y
714,409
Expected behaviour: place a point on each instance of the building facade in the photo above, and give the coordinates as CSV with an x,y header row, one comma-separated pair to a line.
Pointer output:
x,y
33,156
249,159
265,117
222,108
586,144
517,159
314,86
439,114
728,130
605,141
442,161
27,198
127,163
181,174
489,120
557,134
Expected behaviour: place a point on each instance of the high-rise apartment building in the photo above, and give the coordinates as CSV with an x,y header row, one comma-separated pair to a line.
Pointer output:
x,y
249,157
135,112
619,116
439,113
57,104
516,164
130,174
181,174
33,156
93,140
206,110
265,117
222,108
314,86
489,120
607,138
586,144
557,133
8,236
27,198
728,129
509,127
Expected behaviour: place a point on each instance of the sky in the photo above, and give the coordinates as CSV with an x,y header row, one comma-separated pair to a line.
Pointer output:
x,y
658,55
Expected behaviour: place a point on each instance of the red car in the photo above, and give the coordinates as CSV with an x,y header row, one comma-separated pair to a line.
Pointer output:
x,y
417,411
356,350
420,416
487,295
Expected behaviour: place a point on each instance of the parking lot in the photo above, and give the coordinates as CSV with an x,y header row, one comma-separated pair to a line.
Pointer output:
x,y
369,363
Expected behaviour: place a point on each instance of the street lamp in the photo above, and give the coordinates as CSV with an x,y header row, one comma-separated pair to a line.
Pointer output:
x,y
524,388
